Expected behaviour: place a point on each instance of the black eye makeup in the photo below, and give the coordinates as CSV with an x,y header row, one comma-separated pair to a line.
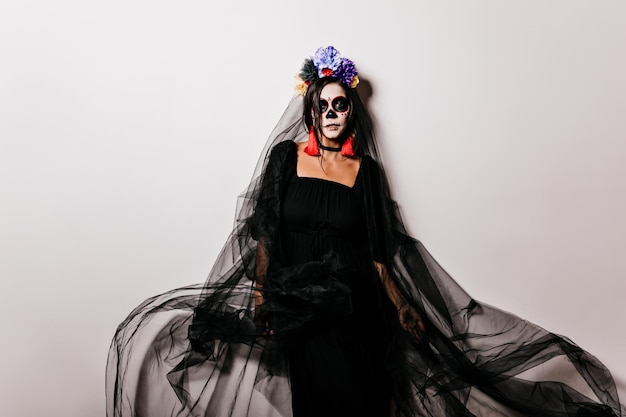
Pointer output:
x,y
339,104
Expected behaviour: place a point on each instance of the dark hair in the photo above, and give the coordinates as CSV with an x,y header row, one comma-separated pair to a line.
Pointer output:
x,y
359,122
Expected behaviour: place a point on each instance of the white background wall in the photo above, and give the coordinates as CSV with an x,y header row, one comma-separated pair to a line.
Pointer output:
x,y
128,128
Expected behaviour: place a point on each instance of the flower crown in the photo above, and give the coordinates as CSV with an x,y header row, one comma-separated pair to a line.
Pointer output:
x,y
326,62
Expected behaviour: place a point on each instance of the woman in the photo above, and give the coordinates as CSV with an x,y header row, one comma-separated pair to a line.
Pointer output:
x,y
321,304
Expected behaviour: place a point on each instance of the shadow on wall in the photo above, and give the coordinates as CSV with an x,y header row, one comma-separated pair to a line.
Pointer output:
x,y
620,383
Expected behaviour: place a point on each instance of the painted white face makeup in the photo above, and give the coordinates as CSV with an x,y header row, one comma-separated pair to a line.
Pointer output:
x,y
335,108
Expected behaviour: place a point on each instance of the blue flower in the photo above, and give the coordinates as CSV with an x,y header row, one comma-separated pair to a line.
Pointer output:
x,y
327,59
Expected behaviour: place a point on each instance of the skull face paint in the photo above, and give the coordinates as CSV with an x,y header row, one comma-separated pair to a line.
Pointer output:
x,y
335,109
339,104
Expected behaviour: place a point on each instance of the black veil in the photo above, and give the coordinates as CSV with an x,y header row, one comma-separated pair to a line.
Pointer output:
x,y
195,351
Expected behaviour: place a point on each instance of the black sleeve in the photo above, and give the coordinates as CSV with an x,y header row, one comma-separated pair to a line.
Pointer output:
x,y
375,200
265,219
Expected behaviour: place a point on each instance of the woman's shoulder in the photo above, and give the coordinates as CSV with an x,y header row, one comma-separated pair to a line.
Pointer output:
x,y
280,151
285,146
280,156
369,165
371,175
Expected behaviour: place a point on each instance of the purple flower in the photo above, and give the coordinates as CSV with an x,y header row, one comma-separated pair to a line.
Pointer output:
x,y
346,71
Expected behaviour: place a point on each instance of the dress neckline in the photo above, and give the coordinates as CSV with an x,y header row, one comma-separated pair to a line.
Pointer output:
x,y
350,187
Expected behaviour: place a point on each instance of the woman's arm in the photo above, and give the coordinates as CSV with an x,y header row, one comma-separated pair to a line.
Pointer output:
x,y
261,313
264,223
260,271
410,319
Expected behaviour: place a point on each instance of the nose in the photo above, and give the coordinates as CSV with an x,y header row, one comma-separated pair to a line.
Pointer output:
x,y
331,114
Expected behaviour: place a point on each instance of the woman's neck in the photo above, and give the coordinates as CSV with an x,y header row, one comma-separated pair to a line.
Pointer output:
x,y
330,145
330,148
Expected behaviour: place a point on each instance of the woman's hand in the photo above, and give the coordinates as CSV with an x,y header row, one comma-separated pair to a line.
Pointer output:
x,y
411,321
262,321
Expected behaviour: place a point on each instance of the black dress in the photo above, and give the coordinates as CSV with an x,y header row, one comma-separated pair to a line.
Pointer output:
x,y
338,348
335,367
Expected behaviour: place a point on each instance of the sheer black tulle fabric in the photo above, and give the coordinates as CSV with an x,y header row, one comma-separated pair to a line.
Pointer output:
x,y
198,351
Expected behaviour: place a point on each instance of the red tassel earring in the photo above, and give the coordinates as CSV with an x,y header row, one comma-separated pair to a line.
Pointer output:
x,y
347,149
312,148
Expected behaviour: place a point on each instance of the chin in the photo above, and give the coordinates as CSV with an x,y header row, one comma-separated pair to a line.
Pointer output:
x,y
337,136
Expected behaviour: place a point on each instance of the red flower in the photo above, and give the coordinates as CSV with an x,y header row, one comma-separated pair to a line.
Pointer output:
x,y
327,72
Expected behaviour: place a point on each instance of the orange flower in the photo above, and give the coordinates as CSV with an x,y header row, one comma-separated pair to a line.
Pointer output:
x,y
354,82
301,86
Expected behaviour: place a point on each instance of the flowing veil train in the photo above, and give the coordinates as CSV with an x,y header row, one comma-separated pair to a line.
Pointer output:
x,y
195,351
